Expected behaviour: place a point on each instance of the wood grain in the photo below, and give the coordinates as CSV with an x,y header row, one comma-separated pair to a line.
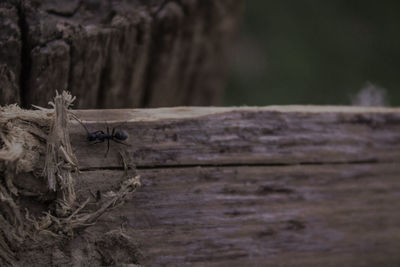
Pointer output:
x,y
344,214
116,54
239,136
10,54
268,186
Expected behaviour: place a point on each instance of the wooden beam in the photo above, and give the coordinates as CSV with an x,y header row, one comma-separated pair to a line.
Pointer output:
x,y
273,186
337,214
187,136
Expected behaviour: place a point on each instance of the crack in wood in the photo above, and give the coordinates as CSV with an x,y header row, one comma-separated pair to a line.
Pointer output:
x,y
25,55
185,166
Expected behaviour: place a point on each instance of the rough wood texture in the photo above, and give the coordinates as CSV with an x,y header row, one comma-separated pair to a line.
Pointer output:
x,y
274,186
325,215
10,54
116,53
240,136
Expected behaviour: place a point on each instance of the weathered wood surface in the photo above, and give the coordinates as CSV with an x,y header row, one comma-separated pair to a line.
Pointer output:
x,y
275,186
114,54
334,215
240,136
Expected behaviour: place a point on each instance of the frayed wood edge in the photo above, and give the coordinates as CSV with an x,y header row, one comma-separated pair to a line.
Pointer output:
x,y
61,169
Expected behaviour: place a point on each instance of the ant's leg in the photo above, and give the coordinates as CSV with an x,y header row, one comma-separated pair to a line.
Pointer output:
x,y
108,128
119,142
108,147
101,141
108,140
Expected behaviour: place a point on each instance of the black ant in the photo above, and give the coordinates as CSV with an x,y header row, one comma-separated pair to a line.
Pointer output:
x,y
101,136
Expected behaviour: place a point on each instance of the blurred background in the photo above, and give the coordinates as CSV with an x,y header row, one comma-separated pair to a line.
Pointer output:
x,y
316,52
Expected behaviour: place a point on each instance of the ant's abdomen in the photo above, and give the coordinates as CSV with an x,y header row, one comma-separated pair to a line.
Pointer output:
x,y
121,135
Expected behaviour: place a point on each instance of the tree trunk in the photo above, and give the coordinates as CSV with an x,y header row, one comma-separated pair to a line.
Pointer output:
x,y
115,54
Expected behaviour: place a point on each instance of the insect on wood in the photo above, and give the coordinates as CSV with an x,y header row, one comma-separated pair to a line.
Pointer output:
x,y
100,136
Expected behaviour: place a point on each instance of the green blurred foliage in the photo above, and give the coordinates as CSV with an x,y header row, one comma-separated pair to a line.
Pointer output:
x,y
315,52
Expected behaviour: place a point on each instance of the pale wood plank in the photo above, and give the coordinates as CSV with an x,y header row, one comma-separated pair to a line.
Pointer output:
x,y
245,135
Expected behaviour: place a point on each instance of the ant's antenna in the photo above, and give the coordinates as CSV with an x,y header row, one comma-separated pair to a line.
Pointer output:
x,y
119,125
78,120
